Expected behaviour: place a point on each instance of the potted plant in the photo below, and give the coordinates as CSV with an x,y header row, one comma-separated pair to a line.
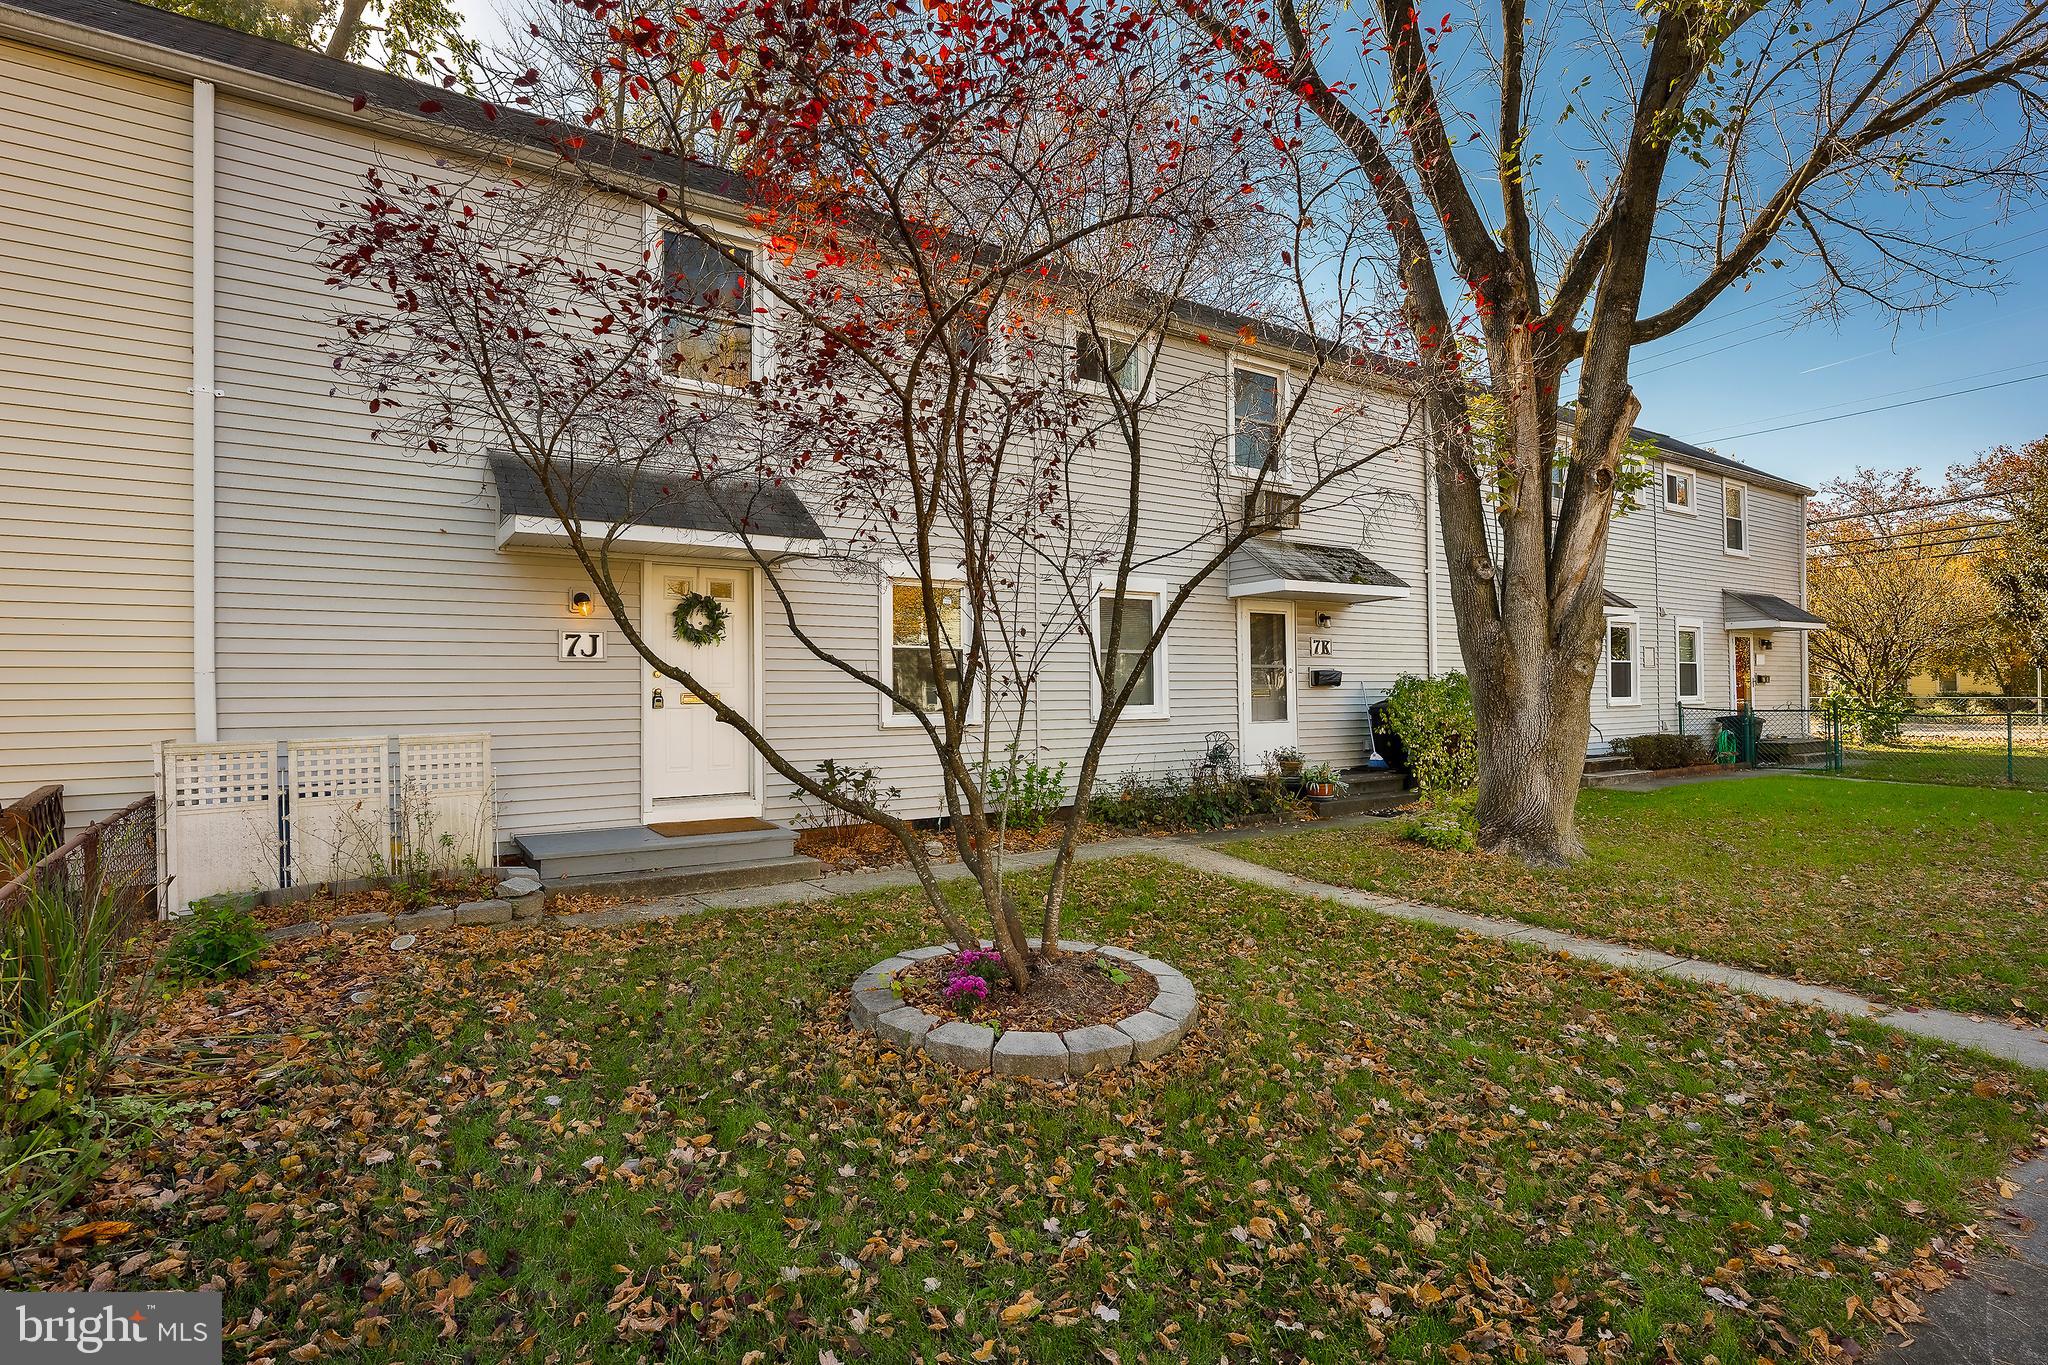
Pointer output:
x,y
1287,762
1319,781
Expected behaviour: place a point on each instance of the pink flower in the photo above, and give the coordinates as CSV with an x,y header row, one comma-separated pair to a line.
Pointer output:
x,y
963,986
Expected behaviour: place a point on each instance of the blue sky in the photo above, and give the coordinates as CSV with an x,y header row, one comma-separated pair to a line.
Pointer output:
x,y
1744,367
1748,365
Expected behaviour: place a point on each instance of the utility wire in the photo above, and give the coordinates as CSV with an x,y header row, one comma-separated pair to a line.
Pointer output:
x,y
1907,507
1886,407
1916,552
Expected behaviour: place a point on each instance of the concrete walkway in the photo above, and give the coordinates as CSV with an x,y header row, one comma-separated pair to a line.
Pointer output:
x,y
1998,1315
2028,1047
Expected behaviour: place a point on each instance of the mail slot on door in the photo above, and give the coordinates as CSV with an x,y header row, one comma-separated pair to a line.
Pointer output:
x,y
1326,677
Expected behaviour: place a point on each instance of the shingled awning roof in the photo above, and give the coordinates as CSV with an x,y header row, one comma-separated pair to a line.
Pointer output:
x,y
651,509
1282,568
1762,611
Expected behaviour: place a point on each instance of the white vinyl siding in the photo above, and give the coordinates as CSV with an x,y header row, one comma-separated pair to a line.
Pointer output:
x,y
360,588
95,427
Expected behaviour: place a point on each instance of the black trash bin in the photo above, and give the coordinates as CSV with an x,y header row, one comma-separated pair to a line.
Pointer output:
x,y
1387,743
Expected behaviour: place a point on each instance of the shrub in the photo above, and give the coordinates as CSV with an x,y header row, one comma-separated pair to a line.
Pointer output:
x,y
220,939
65,1004
1879,721
1433,717
1194,800
1028,792
843,779
1450,825
1651,752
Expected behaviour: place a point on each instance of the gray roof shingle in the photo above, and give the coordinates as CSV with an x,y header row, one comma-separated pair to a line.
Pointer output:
x,y
1301,562
1763,606
608,494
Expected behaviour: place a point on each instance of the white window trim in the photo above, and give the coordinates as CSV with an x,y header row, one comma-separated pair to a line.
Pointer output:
x,y
902,571
1159,591
759,353
1727,484
1692,485
1698,696
1282,475
1137,340
1635,656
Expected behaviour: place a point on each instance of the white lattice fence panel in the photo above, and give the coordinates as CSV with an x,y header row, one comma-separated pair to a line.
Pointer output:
x,y
444,799
340,811
218,819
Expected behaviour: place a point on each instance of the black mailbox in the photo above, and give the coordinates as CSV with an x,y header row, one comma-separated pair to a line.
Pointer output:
x,y
1326,677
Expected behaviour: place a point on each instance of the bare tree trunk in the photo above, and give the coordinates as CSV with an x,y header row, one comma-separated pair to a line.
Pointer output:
x,y
347,24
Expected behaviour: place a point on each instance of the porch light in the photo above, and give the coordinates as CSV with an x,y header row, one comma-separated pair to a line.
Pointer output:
x,y
580,604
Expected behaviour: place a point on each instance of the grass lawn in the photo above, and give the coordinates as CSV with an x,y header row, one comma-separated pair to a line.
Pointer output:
x,y
664,1143
1915,894
1949,764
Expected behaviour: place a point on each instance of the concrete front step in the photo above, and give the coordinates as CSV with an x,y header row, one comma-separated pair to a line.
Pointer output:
x,y
1365,789
586,857
767,872
1609,763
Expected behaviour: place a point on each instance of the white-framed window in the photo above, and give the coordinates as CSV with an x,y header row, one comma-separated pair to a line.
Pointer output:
x,y
711,324
1257,397
1735,517
1621,661
1691,667
1144,600
1678,490
906,655
1101,353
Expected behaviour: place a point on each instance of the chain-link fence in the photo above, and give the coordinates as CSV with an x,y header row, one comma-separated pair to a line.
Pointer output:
x,y
1958,747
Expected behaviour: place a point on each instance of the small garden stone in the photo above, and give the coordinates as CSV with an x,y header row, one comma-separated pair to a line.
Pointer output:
x,y
1152,1035
905,1026
1030,1053
966,1046
1094,1048
484,912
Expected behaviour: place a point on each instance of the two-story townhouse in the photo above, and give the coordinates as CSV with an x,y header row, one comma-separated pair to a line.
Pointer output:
x,y
204,543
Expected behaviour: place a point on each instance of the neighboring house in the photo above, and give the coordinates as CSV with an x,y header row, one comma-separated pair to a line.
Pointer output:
x,y
204,542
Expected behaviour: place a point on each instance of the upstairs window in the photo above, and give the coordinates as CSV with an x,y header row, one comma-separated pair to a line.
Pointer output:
x,y
1254,421
1123,359
1735,518
1621,663
711,317
1678,490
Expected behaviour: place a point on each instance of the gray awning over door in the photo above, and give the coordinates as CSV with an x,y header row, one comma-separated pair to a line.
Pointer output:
x,y
1762,611
655,509
1285,568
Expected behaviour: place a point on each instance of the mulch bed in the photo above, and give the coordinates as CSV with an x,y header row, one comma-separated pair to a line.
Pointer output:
x,y
326,905
1071,992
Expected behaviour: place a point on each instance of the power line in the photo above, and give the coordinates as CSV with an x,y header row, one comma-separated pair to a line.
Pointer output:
x,y
1907,507
1894,393
1886,407
1916,552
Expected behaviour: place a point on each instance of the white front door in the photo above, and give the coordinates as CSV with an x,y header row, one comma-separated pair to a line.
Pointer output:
x,y
695,766
1265,680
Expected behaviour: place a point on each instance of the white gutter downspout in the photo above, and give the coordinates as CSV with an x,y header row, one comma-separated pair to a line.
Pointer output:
x,y
205,682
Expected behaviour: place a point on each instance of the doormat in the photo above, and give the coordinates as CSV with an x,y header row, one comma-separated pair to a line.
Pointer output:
x,y
683,829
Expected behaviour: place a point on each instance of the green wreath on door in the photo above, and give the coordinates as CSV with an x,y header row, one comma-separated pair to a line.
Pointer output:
x,y
700,619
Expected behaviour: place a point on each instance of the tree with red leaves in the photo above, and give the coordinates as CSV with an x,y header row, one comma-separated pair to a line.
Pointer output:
x,y
915,263
1718,142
